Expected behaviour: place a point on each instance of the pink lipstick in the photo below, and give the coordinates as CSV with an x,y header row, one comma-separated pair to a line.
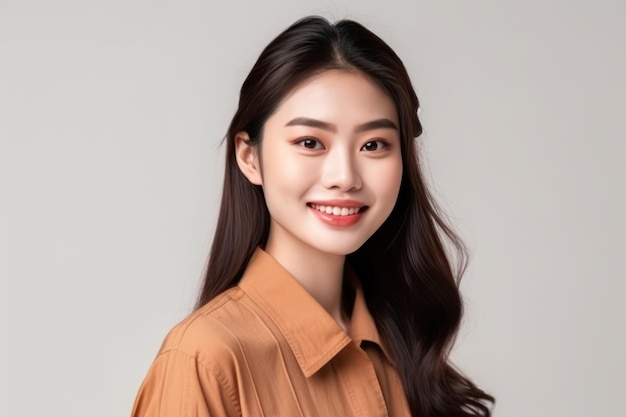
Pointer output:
x,y
338,213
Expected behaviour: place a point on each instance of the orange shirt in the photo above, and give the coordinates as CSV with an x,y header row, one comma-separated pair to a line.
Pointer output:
x,y
267,348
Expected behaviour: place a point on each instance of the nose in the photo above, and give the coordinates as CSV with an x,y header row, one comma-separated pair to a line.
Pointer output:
x,y
341,171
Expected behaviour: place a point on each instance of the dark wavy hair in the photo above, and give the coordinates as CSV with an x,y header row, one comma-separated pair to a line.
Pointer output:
x,y
407,268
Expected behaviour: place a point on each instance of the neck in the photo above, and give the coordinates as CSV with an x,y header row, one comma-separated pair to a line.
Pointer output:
x,y
320,273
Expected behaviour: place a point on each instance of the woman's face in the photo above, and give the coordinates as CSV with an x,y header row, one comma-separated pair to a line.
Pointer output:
x,y
330,164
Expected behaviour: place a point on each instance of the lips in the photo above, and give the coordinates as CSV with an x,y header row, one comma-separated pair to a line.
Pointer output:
x,y
338,212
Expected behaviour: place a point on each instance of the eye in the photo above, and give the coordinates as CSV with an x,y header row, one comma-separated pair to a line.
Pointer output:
x,y
374,145
310,143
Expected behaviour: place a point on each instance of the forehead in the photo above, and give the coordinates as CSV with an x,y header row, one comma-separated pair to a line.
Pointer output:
x,y
340,97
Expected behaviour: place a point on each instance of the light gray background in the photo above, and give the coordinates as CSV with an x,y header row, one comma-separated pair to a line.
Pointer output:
x,y
111,113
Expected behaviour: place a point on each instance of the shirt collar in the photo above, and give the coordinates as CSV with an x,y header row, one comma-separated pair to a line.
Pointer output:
x,y
313,335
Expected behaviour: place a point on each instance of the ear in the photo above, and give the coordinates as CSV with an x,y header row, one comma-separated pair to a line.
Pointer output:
x,y
248,158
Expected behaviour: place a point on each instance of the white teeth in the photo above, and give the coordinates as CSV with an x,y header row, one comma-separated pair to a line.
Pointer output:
x,y
337,211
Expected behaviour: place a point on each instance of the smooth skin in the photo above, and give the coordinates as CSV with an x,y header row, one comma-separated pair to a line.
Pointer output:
x,y
332,144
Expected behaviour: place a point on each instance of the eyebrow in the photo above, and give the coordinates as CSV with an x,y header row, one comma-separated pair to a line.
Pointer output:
x,y
319,124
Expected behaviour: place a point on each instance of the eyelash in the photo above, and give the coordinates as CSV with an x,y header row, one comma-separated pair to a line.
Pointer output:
x,y
383,144
315,143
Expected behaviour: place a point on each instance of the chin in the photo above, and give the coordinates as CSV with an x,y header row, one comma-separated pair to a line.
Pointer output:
x,y
340,248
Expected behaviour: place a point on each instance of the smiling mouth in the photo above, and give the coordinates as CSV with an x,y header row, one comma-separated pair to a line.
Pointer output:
x,y
336,210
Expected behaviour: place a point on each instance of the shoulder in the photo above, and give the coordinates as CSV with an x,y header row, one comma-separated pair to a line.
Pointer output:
x,y
194,373
219,333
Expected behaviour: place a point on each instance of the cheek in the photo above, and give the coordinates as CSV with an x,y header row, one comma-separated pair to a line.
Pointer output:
x,y
286,177
386,179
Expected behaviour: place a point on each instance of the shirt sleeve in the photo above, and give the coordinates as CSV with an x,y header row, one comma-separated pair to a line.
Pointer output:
x,y
178,386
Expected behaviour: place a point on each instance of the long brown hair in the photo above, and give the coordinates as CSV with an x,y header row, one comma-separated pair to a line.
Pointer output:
x,y
406,268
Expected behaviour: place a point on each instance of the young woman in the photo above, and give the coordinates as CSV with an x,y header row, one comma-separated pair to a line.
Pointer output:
x,y
329,290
